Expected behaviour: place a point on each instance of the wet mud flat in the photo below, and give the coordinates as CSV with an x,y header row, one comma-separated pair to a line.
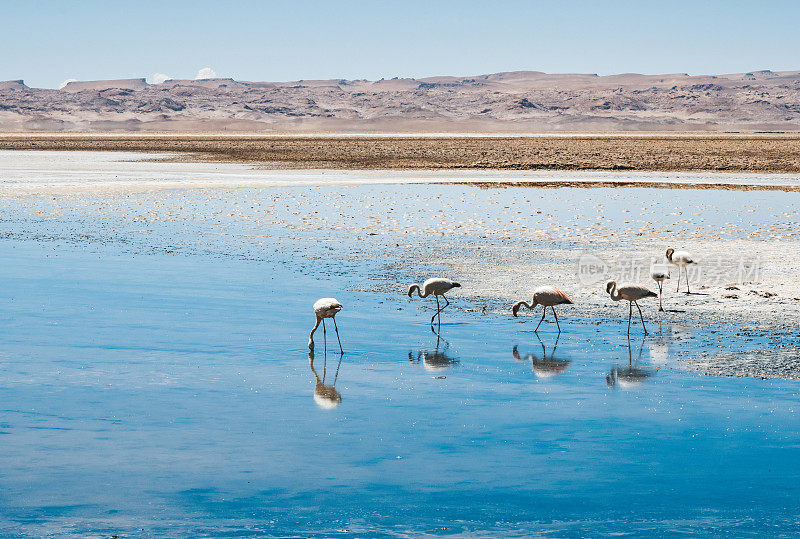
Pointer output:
x,y
731,152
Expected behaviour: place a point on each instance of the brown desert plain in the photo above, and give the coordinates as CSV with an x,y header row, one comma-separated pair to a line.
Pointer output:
x,y
751,152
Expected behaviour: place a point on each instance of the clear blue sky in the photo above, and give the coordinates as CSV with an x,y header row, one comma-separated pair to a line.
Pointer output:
x,y
46,42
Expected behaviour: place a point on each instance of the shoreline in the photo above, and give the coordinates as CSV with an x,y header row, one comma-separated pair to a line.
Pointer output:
x,y
42,172
772,153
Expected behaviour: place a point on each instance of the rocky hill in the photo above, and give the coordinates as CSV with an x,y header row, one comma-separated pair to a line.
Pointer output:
x,y
502,102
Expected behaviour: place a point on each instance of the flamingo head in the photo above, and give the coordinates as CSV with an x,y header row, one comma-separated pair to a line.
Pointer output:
x,y
517,305
412,288
669,253
456,285
610,286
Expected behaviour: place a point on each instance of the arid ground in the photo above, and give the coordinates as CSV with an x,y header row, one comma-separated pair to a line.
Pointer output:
x,y
765,152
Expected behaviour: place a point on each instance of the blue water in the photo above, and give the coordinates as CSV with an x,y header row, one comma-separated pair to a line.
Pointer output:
x,y
162,395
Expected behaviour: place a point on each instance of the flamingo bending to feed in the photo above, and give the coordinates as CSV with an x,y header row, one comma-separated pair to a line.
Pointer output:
x,y
546,296
681,259
659,273
436,286
325,308
631,293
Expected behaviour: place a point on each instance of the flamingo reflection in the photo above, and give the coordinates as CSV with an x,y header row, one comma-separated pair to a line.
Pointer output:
x,y
325,395
544,367
631,376
434,359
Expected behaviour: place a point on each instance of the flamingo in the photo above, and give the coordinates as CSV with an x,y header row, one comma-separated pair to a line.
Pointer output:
x,y
681,259
436,286
546,296
325,308
632,293
659,273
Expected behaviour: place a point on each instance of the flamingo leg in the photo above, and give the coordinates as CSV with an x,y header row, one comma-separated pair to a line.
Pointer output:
x,y
678,286
437,310
554,314
630,313
542,320
440,309
686,269
337,336
660,288
324,336
642,317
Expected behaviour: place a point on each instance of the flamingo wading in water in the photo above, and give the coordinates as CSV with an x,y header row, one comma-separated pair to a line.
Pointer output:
x,y
658,272
631,293
325,308
546,296
681,259
436,286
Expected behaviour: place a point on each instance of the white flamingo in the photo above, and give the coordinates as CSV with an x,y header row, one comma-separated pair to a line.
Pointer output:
x,y
659,272
546,296
631,293
436,286
681,259
325,308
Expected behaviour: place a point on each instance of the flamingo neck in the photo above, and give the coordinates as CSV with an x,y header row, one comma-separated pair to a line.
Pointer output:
x,y
419,291
615,295
311,337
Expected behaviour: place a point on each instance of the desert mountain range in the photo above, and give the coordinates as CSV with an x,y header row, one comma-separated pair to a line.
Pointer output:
x,y
502,102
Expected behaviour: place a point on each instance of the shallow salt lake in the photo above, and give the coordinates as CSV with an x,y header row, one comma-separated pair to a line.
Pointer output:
x,y
156,379
173,395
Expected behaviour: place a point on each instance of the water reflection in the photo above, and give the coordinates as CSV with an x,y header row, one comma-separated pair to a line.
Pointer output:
x,y
544,367
631,376
325,395
435,359
659,347
668,335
